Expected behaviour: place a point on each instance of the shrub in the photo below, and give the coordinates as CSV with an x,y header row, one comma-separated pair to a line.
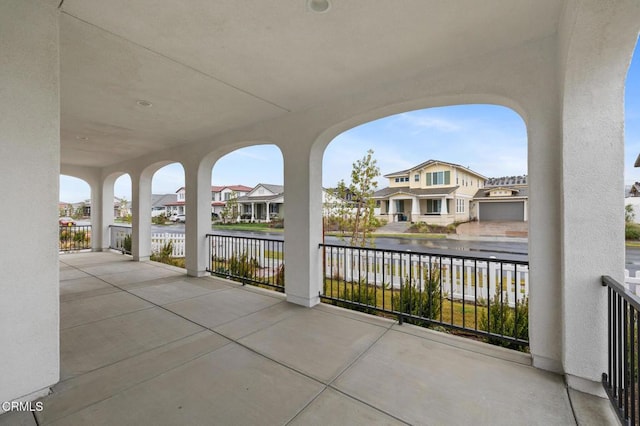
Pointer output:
x,y
423,302
361,293
159,220
280,275
241,266
631,231
506,321
126,243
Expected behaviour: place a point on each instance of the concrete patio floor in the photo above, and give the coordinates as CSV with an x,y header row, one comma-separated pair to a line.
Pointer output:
x,y
143,344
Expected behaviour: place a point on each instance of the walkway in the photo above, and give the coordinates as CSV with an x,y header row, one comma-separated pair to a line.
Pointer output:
x,y
142,344
493,229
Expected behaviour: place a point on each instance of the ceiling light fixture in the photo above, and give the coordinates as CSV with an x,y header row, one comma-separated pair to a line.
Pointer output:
x,y
144,103
318,6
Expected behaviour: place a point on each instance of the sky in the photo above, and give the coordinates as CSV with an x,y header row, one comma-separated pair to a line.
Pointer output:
x,y
491,140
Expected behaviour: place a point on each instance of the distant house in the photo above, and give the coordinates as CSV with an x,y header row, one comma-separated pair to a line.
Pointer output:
x,y
263,203
221,194
502,199
634,191
435,192
121,208
219,197
159,203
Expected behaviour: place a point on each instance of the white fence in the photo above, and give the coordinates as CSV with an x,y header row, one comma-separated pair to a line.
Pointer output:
x,y
632,283
159,240
459,278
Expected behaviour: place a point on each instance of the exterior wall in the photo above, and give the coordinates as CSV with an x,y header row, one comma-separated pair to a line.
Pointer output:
x,y
394,184
30,162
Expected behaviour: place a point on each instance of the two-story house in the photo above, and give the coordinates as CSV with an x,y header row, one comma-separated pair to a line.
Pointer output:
x,y
219,197
221,194
435,192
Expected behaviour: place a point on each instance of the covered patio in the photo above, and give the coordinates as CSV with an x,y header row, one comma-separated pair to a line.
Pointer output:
x,y
95,89
142,343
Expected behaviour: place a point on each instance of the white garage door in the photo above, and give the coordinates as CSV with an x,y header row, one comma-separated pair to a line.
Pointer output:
x,y
511,211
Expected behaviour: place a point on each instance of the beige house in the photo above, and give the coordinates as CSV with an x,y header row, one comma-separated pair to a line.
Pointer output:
x,y
435,192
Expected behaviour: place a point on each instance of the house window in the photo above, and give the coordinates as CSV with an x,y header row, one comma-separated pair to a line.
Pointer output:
x,y
439,178
402,179
226,196
460,206
434,206
416,178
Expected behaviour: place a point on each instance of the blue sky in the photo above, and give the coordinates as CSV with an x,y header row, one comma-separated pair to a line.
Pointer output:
x,y
489,139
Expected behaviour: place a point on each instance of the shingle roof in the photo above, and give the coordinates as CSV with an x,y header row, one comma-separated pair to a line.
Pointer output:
x,y
506,181
419,192
429,162
522,192
161,200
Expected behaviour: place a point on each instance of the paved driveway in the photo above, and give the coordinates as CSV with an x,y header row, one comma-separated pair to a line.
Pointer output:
x,y
494,229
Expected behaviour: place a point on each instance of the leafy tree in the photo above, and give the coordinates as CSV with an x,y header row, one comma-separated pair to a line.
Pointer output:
x,y
230,210
353,204
629,214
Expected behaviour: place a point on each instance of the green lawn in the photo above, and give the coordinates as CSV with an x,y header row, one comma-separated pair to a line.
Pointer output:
x,y
258,227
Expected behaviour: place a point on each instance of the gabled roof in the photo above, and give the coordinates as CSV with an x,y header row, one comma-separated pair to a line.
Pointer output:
x,y
275,189
237,188
161,200
430,163
520,192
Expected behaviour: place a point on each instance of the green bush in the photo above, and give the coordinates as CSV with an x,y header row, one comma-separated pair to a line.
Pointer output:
x,y
361,293
424,303
632,231
241,266
159,220
126,243
506,321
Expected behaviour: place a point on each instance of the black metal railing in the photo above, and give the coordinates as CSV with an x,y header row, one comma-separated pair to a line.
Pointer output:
x,y
471,295
257,261
74,238
621,379
120,238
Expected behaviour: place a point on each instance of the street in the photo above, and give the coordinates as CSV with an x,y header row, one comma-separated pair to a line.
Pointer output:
x,y
484,249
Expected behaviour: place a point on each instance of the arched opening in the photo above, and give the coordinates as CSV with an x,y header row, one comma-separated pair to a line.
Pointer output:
x,y
74,211
122,199
75,198
168,215
632,172
248,216
442,239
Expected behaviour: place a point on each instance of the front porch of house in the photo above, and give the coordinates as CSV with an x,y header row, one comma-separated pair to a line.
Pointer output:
x,y
143,343
442,211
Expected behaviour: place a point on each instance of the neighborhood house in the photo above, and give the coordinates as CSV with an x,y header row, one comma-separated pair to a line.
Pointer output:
x,y
434,192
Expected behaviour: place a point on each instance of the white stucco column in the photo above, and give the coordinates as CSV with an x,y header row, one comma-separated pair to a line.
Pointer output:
x,y
601,38
268,213
198,217
303,224
392,210
30,168
253,209
415,209
141,215
443,206
97,217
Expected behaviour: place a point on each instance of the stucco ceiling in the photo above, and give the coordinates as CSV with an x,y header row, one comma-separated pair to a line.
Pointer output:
x,y
212,66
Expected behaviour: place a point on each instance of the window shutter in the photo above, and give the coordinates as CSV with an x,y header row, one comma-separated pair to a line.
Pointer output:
x,y
447,177
428,179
